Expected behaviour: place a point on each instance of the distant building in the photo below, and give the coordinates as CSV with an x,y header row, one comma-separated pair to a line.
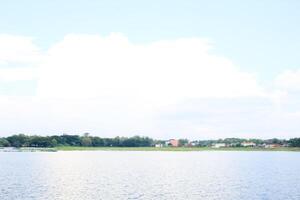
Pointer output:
x,y
159,145
192,144
248,144
272,145
218,145
172,143
285,145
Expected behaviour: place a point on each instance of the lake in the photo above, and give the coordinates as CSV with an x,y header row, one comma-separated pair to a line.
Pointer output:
x,y
149,175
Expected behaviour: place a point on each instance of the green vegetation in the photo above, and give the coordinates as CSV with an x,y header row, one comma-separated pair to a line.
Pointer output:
x,y
70,148
139,143
294,142
22,140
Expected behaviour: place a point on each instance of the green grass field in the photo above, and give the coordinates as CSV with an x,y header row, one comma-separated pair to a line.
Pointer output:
x,y
70,148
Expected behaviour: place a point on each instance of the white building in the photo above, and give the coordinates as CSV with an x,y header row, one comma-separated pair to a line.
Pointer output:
x,y
248,144
218,145
159,145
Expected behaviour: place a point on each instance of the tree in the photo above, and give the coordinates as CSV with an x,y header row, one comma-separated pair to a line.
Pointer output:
x,y
53,142
18,140
97,142
86,141
183,142
71,140
294,142
4,142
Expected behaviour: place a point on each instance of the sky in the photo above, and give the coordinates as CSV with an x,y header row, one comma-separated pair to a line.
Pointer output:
x,y
166,69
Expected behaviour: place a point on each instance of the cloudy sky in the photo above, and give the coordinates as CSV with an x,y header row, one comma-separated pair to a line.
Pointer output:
x,y
167,69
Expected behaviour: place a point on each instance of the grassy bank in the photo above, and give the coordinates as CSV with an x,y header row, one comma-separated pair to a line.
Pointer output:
x,y
72,148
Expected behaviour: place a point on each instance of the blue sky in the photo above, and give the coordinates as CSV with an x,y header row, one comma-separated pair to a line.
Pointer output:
x,y
251,47
261,36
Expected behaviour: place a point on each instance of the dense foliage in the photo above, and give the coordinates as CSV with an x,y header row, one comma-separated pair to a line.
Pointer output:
x,y
294,142
22,140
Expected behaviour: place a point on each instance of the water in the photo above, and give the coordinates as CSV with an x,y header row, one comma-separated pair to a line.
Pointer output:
x,y
149,175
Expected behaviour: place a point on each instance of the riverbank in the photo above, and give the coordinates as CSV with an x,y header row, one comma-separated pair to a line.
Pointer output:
x,y
27,149
178,149
72,148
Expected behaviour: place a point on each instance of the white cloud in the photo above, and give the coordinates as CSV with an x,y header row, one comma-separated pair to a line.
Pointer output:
x,y
18,74
19,58
289,80
164,71
110,86
121,87
18,49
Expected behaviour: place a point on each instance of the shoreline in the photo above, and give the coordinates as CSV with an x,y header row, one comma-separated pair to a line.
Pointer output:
x,y
157,149
175,149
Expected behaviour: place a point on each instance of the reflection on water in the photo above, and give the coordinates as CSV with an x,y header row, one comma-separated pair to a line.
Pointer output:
x,y
150,175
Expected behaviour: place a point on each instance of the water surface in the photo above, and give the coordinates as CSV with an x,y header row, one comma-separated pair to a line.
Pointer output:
x,y
149,175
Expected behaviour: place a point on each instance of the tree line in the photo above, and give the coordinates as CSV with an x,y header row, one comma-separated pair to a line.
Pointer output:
x,y
22,140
